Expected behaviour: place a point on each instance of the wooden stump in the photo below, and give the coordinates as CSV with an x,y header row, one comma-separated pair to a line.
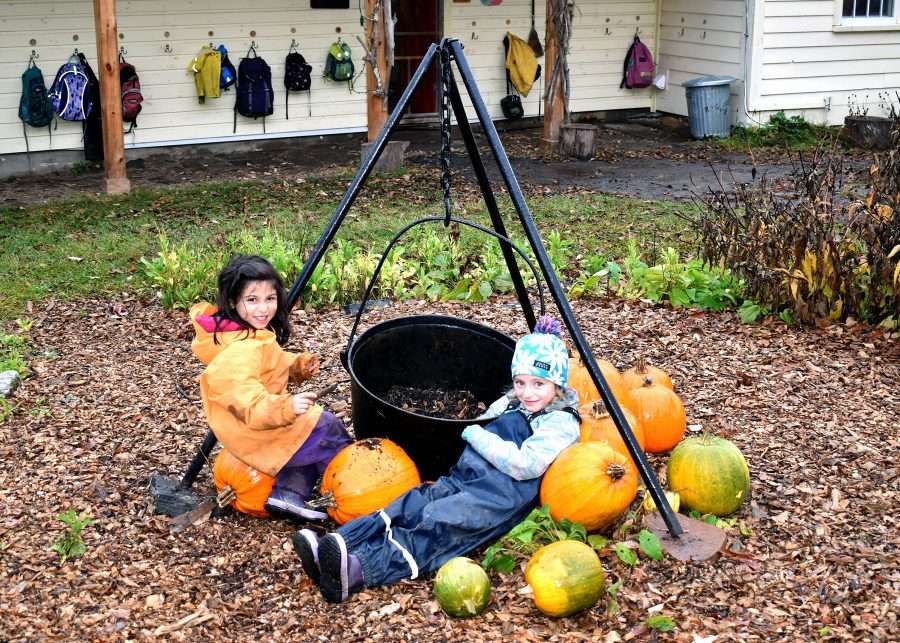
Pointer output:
x,y
578,140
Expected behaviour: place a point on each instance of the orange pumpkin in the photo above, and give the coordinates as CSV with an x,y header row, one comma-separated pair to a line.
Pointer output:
x,y
580,380
589,483
661,414
634,376
597,425
251,487
366,476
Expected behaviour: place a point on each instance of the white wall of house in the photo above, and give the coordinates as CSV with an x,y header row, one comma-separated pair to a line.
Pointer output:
x,y
161,38
815,63
601,34
700,38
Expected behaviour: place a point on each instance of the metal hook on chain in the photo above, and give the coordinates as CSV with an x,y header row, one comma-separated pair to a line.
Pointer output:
x,y
445,133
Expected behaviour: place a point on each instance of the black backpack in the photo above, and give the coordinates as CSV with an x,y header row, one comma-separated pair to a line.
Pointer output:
x,y
297,77
255,96
92,126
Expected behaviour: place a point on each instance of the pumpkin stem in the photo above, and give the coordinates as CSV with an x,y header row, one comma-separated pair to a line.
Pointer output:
x,y
648,381
615,471
640,366
325,502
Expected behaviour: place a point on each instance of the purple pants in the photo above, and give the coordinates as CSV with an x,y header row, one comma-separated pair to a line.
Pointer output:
x,y
297,479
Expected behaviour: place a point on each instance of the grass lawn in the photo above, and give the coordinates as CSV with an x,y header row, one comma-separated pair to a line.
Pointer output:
x,y
93,244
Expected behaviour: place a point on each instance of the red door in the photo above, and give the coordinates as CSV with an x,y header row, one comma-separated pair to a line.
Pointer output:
x,y
418,25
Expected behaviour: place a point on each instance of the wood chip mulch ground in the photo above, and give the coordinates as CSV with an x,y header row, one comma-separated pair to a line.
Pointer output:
x,y
113,398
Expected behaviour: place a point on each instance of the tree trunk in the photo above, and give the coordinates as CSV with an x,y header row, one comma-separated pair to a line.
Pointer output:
x,y
578,140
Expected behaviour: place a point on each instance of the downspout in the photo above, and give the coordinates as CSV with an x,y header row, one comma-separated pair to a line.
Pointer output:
x,y
656,51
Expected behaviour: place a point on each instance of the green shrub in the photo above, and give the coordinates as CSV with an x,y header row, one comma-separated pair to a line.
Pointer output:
x,y
783,131
692,283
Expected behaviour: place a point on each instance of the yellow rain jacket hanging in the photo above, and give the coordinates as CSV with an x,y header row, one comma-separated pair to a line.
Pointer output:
x,y
521,63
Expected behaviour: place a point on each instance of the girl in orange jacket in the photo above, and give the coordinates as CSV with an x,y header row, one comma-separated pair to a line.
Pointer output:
x,y
244,386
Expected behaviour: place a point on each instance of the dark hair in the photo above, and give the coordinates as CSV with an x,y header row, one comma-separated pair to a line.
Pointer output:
x,y
232,281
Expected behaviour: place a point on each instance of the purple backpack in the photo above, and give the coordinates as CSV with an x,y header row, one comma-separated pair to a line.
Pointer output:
x,y
68,94
639,67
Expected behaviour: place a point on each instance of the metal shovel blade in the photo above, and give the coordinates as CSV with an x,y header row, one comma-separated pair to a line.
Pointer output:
x,y
170,498
700,540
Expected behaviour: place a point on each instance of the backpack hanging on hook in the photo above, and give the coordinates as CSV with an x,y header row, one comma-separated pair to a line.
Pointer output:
x,y
638,68
297,76
35,109
132,98
255,96
228,74
339,63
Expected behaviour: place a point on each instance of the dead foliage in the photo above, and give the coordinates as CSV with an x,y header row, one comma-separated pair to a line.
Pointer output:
x,y
817,251
814,411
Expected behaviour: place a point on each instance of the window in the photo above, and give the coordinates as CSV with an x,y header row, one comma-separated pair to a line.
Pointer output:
x,y
868,9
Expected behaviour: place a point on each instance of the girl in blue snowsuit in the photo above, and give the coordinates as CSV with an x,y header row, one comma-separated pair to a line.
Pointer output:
x,y
492,487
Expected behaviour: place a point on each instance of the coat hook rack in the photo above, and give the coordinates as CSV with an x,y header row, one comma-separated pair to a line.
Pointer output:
x,y
211,46
294,43
167,49
34,56
123,51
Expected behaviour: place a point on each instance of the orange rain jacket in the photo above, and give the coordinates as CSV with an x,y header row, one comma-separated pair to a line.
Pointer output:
x,y
244,392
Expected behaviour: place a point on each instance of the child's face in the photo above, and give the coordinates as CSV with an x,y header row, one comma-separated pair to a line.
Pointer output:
x,y
533,392
258,304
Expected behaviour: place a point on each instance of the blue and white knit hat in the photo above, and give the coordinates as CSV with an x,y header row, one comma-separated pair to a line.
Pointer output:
x,y
543,353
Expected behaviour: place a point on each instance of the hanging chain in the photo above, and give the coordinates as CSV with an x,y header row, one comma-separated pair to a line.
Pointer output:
x,y
445,132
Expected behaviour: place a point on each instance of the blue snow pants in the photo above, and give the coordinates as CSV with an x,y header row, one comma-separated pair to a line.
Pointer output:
x,y
475,503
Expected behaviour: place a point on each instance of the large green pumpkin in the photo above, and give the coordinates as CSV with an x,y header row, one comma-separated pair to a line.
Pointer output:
x,y
710,475
462,587
565,577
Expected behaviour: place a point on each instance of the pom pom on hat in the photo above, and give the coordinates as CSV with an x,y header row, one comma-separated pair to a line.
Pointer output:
x,y
543,353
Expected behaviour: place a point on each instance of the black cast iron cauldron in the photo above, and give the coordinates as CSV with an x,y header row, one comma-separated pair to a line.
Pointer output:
x,y
424,351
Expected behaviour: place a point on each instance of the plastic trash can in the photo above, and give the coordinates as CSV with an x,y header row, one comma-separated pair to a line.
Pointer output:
x,y
707,102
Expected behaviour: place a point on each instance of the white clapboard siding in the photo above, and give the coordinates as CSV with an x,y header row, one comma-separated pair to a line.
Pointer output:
x,y
700,38
808,68
601,34
161,38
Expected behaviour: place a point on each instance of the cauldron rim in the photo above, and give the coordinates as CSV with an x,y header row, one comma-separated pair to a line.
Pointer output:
x,y
408,320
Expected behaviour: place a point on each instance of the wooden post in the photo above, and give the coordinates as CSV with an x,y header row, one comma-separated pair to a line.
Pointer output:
x,y
554,97
578,140
107,33
376,104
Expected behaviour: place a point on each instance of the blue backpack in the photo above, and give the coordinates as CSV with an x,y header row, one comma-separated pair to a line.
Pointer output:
x,y
228,75
255,95
69,93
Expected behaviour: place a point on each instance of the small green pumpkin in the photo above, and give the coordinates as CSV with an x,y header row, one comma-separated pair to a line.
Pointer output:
x,y
462,587
565,577
710,475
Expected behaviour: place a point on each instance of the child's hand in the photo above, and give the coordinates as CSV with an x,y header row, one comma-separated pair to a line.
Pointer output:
x,y
305,366
303,402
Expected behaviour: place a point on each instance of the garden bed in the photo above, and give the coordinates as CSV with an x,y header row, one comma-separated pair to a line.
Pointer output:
x,y
114,398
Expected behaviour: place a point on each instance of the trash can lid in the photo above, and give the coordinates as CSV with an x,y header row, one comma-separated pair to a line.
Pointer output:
x,y
709,81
